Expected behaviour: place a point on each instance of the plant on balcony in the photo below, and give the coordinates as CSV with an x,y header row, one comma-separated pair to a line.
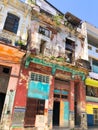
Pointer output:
x,y
19,43
57,19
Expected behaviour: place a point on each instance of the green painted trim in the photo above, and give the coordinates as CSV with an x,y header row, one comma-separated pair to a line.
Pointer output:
x,y
54,66
28,60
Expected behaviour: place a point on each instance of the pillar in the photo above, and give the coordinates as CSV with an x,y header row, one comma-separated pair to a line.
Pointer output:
x,y
71,104
50,104
82,101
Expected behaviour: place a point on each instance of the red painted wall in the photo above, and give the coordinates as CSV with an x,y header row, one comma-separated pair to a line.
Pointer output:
x,y
51,93
21,92
82,97
71,96
22,87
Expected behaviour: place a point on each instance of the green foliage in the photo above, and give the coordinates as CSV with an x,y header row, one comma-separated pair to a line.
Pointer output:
x,y
31,1
52,57
19,43
57,19
60,59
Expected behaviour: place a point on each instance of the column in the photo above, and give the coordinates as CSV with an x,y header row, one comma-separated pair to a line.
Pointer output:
x,y
82,101
50,104
71,104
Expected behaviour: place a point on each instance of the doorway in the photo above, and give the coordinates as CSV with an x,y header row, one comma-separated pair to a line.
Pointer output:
x,y
56,113
76,101
42,46
2,98
34,107
95,111
4,79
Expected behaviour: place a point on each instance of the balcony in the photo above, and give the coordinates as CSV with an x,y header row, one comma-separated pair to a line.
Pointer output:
x,y
83,63
92,51
5,40
92,30
9,38
91,99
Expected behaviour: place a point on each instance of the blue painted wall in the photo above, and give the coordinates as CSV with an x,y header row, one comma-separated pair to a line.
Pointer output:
x,y
95,68
90,119
38,90
59,91
66,111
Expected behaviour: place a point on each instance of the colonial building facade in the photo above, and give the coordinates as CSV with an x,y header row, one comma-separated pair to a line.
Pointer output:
x,y
43,67
51,87
13,43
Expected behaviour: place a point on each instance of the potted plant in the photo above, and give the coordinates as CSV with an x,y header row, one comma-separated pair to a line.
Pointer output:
x,y
20,44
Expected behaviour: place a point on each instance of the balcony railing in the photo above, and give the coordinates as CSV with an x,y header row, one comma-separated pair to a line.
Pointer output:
x,y
10,39
92,51
84,63
91,99
5,40
69,47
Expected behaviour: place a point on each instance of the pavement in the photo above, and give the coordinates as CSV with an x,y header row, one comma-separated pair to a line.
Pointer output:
x,y
55,128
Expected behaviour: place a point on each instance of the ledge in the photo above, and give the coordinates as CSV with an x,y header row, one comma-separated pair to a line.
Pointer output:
x,y
91,99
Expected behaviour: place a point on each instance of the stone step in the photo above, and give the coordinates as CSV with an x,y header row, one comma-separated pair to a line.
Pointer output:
x,y
60,128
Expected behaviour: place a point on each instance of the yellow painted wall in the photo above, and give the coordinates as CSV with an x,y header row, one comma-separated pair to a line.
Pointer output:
x,y
61,113
89,108
64,114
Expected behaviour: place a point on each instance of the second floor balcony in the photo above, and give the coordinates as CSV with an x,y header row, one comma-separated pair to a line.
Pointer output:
x,y
8,38
92,51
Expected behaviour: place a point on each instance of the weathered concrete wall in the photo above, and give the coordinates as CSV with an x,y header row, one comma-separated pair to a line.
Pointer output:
x,y
19,9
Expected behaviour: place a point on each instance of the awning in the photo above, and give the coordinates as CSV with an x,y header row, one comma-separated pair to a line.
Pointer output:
x,y
72,19
10,53
91,82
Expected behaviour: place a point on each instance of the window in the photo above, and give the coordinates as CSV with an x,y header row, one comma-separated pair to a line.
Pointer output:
x,y
60,94
11,23
61,89
89,47
39,77
45,12
95,111
70,45
69,50
91,91
5,70
44,31
96,50
42,46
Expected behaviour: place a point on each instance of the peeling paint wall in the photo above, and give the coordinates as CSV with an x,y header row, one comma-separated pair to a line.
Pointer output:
x,y
56,43
11,89
19,9
64,114
22,89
